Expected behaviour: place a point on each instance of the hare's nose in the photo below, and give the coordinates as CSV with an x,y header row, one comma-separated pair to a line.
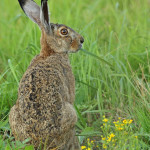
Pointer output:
x,y
82,40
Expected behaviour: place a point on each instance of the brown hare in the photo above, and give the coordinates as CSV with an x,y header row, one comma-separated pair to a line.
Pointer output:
x,y
44,110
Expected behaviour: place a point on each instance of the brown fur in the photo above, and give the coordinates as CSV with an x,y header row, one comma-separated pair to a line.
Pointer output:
x,y
75,44
46,50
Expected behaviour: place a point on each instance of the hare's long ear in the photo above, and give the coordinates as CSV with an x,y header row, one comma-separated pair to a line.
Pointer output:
x,y
32,10
44,16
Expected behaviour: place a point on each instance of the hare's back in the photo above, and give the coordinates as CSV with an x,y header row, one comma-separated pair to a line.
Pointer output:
x,y
45,82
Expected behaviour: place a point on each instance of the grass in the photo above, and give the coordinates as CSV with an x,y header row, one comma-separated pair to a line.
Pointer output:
x,y
112,71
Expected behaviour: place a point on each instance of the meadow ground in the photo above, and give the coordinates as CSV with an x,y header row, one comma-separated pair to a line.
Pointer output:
x,y
112,70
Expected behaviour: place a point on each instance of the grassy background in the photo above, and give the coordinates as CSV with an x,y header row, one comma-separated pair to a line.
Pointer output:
x,y
112,75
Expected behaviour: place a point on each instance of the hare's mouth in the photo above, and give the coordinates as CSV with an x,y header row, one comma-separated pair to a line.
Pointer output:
x,y
80,46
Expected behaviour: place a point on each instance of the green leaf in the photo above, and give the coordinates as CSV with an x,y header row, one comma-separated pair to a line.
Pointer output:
x,y
88,131
29,147
13,71
97,57
8,147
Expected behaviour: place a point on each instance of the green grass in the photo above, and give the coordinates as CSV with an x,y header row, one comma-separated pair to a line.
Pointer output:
x,y
112,71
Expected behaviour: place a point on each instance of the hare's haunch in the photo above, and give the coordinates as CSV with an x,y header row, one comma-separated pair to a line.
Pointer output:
x,y
44,110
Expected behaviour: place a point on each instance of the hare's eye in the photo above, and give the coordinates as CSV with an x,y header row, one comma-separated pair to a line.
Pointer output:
x,y
64,31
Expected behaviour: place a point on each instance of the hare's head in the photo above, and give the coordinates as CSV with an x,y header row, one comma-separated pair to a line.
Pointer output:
x,y
55,38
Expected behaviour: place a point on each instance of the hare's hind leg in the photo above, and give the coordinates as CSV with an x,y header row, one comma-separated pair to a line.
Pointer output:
x,y
14,121
16,124
73,143
76,144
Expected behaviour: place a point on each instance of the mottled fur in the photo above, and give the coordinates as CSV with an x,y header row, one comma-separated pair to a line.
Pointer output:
x,y
44,109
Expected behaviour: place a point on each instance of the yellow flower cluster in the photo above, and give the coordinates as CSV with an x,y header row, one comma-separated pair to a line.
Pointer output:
x,y
105,120
120,124
104,146
112,137
89,143
127,121
114,134
85,148
109,138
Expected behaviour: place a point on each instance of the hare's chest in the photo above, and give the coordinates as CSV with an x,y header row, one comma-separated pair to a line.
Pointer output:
x,y
69,82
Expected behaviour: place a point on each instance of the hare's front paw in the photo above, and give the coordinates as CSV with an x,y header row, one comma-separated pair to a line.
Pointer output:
x,y
69,116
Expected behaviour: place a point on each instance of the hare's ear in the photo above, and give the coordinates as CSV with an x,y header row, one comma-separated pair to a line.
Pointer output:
x,y
44,16
32,10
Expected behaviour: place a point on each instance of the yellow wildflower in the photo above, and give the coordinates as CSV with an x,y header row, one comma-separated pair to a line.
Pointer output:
x,y
105,120
88,139
109,139
116,125
112,135
92,142
119,118
88,149
83,147
125,121
104,116
115,122
136,137
130,121
122,124
104,146
119,128
104,124
103,138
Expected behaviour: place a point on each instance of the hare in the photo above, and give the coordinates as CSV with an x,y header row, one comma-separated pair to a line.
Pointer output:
x,y
44,110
